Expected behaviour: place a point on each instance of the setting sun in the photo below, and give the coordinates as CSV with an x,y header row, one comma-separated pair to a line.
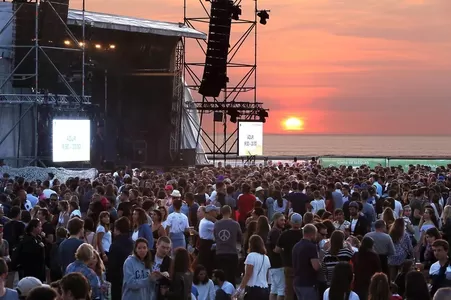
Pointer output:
x,y
293,124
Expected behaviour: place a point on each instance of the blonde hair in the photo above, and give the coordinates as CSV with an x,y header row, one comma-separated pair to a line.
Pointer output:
x,y
99,268
446,214
84,253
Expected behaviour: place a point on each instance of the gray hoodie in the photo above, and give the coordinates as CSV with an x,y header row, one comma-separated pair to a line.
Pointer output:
x,y
137,284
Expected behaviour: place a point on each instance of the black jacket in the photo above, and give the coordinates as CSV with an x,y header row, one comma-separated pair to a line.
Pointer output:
x,y
12,232
120,249
362,227
29,257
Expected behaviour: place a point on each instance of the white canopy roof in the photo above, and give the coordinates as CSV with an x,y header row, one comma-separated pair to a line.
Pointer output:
x,y
115,22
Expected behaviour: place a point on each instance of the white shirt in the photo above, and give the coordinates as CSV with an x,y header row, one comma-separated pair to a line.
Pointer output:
x,y
106,240
75,213
261,266
135,235
157,264
206,291
278,209
398,209
178,222
206,230
317,205
227,287
48,192
352,296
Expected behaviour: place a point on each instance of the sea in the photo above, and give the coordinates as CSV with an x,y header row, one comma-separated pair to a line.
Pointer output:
x,y
309,145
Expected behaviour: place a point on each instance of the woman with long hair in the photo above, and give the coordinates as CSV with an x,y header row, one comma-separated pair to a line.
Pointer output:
x,y
340,287
180,277
280,204
379,287
103,238
263,227
255,279
138,282
366,263
446,225
427,256
203,284
403,247
63,218
416,287
141,227
157,227
251,230
388,215
337,250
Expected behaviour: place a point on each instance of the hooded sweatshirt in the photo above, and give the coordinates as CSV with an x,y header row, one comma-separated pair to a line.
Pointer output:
x,y
136,284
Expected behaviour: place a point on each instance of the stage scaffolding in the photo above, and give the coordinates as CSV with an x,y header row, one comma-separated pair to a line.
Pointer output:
x,y
34,96
230,96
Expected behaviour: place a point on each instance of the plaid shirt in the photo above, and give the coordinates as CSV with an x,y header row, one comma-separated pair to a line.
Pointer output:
x,y
80,267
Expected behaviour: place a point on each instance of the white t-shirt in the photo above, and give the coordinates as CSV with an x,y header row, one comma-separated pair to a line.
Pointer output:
x,y
206,230
435,269
47,193
75,213
106,240
352,296
278,209
317,205
178,222
227,287
261,266
135,235
398,209
206,291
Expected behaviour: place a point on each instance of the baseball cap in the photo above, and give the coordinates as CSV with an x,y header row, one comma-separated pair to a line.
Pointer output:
x,y
296,218
168,187
211,207
26,284
259,189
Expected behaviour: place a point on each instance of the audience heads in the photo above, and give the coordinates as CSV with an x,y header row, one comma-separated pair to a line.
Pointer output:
x,y
75,286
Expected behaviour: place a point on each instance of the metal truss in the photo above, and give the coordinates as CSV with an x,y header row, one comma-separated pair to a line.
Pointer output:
x,y
230,97
177,102
41,99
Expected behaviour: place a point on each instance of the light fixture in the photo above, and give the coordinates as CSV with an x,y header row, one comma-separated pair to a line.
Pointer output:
x,y
98,46
81,44
234,114
112,46
67,43
236,12
264,16
262,114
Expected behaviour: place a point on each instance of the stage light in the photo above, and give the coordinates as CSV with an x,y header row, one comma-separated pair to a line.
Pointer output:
x,y
67,43
234,114
263,114
98,46
112,46
264,16
81,44
236,12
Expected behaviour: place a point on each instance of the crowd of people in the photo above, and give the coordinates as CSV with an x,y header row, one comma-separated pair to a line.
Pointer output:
x,y
277,231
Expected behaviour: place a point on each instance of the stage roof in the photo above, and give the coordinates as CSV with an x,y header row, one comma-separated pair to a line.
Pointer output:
x,y
115,22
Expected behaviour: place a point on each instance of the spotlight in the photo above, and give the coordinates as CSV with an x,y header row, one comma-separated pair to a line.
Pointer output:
x,y
112,46
98,46
67,42
81,44
263,114
234,114
263,15
236,12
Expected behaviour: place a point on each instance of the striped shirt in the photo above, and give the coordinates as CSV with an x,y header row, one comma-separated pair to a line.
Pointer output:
x,y
330,261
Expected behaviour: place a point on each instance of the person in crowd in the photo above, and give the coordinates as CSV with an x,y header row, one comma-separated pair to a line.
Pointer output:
x,y
340,222
287,240
42,293
306,264
276,274
205,255
359,224
68,247
227,234
180,277
137,282
120,249
161,263
341,284
63,218
403,247
443,294
176,225
257,265
416,287
224,289
141,227
204,285
75,286
5,292
84,256
157,226
56,272
96,264
383,244
379,288
338,251
103,235
439,271
245,204
29,256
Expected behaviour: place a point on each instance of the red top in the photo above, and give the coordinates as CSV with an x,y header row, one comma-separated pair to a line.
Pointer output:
x,y
396,297
245,205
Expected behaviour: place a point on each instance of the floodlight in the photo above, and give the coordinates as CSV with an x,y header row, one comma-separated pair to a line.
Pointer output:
x,y
81,44
263,114
67,42
98,46
236,12
234,114
112,46
264,16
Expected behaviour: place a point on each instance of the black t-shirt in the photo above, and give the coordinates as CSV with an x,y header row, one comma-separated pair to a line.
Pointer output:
x,y
274,258
304,274
48,229
126,208
298,201
286,241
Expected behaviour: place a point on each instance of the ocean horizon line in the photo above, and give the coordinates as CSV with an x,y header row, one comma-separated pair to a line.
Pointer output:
x,y
345,134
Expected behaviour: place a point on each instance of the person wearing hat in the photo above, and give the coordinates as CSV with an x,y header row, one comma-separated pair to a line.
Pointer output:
x,y
177,223
284,246
25,285
207,238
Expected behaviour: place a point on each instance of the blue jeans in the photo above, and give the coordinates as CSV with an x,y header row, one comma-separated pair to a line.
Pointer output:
x,y
306,292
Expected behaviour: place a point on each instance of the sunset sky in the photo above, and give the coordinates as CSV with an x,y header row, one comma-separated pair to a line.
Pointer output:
x,y
341,66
